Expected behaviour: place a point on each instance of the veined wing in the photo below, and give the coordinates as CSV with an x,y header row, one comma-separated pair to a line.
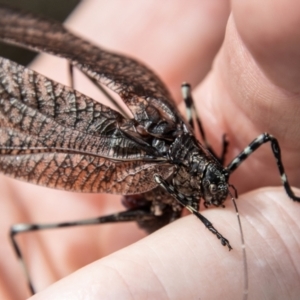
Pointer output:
x,y
61,118
142,91
83,172
57,137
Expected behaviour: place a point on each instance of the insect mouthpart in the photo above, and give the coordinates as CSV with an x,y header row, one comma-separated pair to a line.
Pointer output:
x,y
215,185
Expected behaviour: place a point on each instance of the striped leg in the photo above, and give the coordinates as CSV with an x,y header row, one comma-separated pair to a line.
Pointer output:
x,y
190,206
126,216
260,140
190,110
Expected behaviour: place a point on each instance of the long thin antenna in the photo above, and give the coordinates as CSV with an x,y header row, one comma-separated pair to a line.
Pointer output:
x,y
246,279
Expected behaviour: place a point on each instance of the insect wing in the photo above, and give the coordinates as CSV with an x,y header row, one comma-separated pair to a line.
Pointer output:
x,y
56,137
141,90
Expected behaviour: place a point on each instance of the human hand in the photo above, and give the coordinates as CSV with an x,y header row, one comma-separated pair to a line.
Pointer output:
x,y
251,89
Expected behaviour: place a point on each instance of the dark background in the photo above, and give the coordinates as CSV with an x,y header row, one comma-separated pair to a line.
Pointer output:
x,y
55,9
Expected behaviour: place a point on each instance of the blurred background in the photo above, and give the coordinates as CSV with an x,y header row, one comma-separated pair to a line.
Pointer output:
x,y
55,9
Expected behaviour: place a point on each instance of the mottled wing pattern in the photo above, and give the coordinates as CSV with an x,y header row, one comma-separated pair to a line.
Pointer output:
x,y
142,91
57,137
83,173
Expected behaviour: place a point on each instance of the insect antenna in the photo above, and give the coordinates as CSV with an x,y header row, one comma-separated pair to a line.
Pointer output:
x,y
246,279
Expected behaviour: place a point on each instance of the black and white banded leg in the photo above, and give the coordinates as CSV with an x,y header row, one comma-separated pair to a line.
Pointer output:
x,y
259,141
126,216
190,111
182,200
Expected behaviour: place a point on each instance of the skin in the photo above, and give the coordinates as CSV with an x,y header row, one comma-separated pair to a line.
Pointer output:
x,y
253,87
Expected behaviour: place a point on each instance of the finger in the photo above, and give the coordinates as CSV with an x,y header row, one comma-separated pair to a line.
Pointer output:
x,y
168,264
11,274
242,97
185,261
273,28
271,231
168,36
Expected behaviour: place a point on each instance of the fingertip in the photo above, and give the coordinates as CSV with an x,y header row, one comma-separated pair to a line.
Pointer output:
x,y
183,261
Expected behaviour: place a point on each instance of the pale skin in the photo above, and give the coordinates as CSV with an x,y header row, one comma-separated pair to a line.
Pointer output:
x,y
253,87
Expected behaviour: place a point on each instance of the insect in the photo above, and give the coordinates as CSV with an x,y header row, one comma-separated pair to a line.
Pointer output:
x,y
54,136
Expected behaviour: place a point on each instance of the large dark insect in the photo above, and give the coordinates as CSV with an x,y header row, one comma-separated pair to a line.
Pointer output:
x,y
52,135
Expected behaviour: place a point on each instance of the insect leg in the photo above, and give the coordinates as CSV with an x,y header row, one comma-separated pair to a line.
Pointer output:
x,y
126,216
254,145
182,200
189,104
71,74
100,87
190,110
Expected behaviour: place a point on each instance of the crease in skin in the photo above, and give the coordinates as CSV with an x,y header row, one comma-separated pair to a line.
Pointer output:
x,y
271,248
292,263
153,273
291,232
117,273
240,50
272,35
260,261
159,280
266,223
150,269
225,81
266,107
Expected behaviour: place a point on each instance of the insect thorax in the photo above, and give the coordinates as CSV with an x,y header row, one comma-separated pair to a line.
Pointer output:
x,y
199,174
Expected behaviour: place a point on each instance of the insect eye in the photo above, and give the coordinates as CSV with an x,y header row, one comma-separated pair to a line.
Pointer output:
x,y
213,188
